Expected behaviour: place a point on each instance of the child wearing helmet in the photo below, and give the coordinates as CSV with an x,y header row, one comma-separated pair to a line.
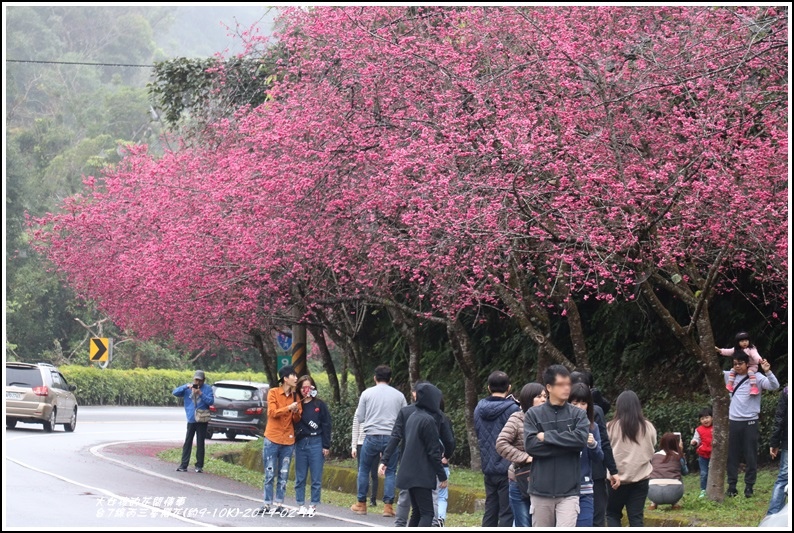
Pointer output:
x,y
743,343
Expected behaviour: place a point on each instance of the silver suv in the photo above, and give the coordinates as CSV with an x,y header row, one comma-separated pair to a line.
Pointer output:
x,y
38,393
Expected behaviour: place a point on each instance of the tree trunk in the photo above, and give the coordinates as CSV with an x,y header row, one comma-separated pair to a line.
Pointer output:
x,y
543,363
715,488
267,352
408,330
464,356
328,364
355,363
577,334
703,350
531,330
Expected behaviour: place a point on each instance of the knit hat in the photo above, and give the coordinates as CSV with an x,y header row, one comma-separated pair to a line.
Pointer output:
x,y
199,375
742,335
284,372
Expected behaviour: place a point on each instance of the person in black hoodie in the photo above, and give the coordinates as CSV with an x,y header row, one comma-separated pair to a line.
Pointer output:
x,y
397,438
490,417
423,447
554,435
599,467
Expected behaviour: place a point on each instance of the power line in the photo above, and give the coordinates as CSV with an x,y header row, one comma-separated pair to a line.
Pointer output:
x,y
78,63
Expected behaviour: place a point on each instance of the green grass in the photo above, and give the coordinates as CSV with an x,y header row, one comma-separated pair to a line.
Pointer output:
x,y
460,477
732,512
219,467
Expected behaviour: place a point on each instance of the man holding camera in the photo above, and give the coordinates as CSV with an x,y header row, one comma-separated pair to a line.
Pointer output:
x,y
198,397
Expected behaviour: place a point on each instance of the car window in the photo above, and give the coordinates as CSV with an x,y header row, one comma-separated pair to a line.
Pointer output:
x,y
56,380
234,393
64,383
23,376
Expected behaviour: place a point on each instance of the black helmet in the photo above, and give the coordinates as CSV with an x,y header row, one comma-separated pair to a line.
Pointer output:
x,y
742,335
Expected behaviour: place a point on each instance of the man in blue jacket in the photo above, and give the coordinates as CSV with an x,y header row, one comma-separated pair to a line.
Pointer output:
x,y
197,395
554,435
490,417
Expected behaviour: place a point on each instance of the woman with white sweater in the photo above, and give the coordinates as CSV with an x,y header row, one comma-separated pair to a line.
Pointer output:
x,y
633,440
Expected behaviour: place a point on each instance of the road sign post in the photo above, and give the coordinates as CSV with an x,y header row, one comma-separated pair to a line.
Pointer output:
x,y
299,343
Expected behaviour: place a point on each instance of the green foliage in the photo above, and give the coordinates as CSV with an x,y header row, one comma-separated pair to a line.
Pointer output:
x,y
342,419
670,414
139,386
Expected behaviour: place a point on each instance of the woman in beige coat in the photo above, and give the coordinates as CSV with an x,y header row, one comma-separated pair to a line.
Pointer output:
x,y
510,445
633,439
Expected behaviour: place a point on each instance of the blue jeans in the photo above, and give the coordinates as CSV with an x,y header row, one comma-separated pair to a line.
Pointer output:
x,y
273,456
704,472
443,497
778,494
586,508
373,446
309,458
520,506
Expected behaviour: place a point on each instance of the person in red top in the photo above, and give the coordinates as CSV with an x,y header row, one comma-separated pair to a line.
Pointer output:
x,y
702,442
283,411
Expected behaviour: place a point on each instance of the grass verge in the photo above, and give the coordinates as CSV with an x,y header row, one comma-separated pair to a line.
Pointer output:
x,y
213,464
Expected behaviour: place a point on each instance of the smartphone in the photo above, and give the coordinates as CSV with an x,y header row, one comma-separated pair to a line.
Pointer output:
x,y
678,436
195,386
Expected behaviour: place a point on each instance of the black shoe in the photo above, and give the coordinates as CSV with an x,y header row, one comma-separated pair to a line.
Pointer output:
x,y
262,510
199,470
373,503
731,492
181,469
748,491
279,510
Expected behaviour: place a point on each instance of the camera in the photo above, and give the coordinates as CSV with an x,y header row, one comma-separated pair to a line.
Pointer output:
x,y
195,385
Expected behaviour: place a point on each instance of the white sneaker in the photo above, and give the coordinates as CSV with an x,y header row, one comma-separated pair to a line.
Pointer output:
x,y
312,510
302,511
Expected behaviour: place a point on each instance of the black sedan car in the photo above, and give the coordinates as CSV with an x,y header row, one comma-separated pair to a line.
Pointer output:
x,y
240,409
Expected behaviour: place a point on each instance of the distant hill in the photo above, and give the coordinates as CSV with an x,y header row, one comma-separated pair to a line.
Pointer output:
x,y
202,31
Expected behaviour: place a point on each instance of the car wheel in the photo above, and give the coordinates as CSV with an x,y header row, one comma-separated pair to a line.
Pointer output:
x,y
231,435
11,423
72,422
49,424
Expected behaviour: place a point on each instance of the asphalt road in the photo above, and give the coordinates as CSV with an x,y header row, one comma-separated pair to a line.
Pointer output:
x,y
106,475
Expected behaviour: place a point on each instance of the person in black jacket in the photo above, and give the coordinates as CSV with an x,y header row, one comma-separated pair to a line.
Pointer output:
x,y
397,436
312,444
423,446
555,433
778,443
490,417
600,467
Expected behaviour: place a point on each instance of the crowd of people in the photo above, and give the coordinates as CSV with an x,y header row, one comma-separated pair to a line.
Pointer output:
x,y
549,458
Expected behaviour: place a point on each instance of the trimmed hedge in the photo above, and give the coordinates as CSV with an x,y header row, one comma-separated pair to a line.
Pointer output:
x,y
139,386
673,414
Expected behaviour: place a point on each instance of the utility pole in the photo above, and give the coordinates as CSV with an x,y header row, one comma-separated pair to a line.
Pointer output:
x,y
299,343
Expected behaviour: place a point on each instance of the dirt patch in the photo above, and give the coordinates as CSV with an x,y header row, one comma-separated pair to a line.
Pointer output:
x,y
145,449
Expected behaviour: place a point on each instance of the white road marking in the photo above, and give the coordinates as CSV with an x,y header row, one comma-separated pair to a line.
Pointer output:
x,y
128,501
96,450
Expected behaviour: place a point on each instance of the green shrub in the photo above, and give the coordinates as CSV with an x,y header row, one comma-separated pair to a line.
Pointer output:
x,y
139,386
673,414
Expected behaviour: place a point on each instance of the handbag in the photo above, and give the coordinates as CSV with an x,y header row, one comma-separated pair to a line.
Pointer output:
x,y
202,415
522,478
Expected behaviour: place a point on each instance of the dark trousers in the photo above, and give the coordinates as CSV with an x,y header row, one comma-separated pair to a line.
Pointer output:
x,y
632,497
497,501
742,441
599,502
198,429
421,507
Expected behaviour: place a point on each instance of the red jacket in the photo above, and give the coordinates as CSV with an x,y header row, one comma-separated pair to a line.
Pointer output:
x,y
706,435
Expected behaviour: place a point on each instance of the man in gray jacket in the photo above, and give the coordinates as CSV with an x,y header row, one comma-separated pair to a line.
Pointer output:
x,y
743,422
377,411
554,435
